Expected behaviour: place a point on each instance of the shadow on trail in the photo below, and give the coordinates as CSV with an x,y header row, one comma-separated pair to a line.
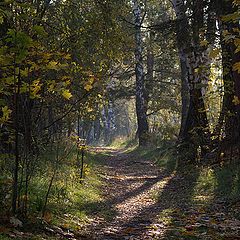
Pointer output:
x,y
147,184
174,200
107,208
181,210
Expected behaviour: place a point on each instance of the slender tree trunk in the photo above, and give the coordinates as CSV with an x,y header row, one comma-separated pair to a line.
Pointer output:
x,y
141,103
183,42
97,131
150,67
51,180
106,125
128,128
111,121
17,157
231,78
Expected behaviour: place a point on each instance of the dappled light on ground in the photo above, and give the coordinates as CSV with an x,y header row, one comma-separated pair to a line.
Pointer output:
x,y
131,189
148,202
133,198
120,120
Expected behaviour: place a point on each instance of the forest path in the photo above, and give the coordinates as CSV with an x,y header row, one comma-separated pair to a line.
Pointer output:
x,y
130,185
144,201
139,196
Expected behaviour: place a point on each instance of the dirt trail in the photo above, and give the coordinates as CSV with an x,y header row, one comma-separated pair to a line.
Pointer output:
x,y
147,202
131,183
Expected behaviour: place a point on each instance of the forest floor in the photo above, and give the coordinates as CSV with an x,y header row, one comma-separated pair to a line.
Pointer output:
x,y
151,202
145,200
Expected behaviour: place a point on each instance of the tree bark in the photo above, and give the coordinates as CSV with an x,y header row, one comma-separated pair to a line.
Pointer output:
x,y
231,78
183,42
16,150
194,125
150,67
141,103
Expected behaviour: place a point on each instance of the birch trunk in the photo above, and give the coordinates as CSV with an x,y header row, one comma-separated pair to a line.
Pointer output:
x,y
183,42
194,126
141,103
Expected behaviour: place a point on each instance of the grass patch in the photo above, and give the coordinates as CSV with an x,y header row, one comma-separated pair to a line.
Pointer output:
x,y
212,182
228,181
219,182
164,155
4,237
123,142
166,216
72,201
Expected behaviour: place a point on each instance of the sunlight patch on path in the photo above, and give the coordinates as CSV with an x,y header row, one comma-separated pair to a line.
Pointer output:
x,y
131,213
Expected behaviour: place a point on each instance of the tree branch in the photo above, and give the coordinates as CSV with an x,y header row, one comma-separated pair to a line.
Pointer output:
x,y
66,113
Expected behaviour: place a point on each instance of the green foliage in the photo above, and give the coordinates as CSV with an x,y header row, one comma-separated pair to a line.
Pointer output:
x,y
164,155
221,182
68,195
3,237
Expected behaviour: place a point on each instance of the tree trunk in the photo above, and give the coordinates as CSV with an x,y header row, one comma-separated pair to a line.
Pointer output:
x,y
16,150
150,67
141,103
183,42
231,78
97,130
194,124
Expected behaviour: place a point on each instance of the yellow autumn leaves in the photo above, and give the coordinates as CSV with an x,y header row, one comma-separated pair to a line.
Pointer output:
x,y
33,89
6,112
53,65
66,94
214,52
89,84
236,100
236,67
